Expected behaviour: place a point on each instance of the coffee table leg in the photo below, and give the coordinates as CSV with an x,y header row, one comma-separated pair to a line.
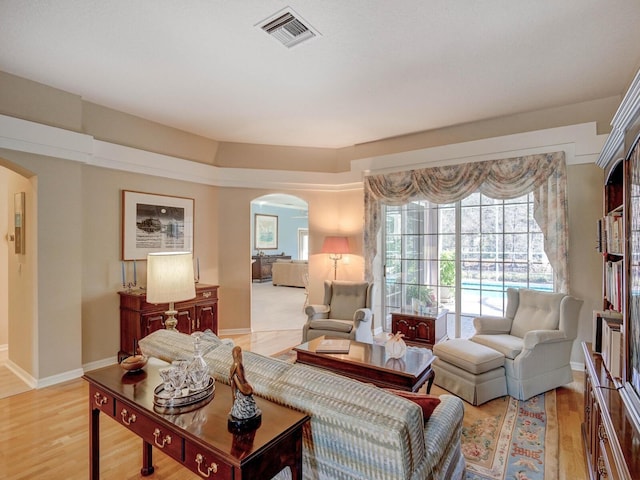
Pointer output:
x,y
147,459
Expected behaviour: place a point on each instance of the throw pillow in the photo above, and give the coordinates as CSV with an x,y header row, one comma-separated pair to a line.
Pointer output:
x,y
427,402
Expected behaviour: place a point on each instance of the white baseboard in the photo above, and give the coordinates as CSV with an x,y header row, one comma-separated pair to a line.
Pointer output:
x,y
59,378
577,366
234,331
4,353
87,367
21,374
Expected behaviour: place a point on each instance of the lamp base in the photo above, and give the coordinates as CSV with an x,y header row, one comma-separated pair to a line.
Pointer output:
x,y
171,322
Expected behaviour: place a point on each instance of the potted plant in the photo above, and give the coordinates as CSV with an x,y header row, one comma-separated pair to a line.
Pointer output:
x,y
419,295
447,275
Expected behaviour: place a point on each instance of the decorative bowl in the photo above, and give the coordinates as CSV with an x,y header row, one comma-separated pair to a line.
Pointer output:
x,y
134,363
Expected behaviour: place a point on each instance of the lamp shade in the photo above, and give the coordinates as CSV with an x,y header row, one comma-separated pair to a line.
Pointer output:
x,y
335,245
170,277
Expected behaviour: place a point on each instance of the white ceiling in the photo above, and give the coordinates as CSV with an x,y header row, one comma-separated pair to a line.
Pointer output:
x,y
378,69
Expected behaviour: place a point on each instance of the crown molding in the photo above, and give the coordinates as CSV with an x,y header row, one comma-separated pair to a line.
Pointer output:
x,y
580,143
624,117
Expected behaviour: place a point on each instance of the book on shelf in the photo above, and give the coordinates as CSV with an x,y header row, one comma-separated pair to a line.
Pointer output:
x,y
599,318
334,345
611,348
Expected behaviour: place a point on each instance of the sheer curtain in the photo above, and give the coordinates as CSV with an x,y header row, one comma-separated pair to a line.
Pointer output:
x,y
544,175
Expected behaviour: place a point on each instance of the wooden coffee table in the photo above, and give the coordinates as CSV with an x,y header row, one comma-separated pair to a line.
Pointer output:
x,y
199,439
368,363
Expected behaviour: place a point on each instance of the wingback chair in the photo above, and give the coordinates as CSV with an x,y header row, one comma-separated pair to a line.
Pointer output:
x,y
346,312
535,335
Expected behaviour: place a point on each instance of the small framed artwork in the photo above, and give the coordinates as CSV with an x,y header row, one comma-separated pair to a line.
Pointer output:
x,y
18,223
265,232
155,223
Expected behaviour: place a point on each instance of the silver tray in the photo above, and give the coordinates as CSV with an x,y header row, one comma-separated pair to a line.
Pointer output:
x,y
163,400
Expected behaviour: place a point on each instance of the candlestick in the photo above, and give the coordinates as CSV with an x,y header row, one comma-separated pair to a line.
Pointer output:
x,y
135,274
124,278
198,268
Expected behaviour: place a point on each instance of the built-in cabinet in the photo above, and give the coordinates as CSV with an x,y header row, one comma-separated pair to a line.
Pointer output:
x,y
138,318
611,442
611,428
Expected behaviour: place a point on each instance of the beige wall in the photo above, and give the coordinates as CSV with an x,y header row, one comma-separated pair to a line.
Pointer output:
x,y
101,257
584,188
66,294
329,213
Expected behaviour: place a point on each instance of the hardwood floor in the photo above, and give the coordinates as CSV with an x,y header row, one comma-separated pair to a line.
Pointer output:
x,y
45,433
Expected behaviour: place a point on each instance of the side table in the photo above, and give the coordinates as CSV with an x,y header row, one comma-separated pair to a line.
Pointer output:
x,y
424,329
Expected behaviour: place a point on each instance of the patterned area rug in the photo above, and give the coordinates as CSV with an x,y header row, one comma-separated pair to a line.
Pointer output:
x,y
507,439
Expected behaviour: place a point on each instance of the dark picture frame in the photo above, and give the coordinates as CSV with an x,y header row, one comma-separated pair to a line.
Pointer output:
x,y
155,223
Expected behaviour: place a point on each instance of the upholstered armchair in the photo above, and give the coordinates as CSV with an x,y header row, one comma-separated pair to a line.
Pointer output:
x,y
535,335
346,312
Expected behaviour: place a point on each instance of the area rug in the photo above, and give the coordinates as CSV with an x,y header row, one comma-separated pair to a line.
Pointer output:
x,y
505,439
508,439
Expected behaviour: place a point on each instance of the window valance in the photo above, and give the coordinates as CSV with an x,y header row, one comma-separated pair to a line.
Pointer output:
x,y
543,174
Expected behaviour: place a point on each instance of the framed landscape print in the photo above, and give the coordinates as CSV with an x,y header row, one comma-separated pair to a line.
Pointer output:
x,y
265,232
155,223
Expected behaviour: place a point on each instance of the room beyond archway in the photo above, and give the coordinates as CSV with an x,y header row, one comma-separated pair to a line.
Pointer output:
x,y
279,268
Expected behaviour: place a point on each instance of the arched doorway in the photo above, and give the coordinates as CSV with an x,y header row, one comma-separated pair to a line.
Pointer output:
x,y
279,234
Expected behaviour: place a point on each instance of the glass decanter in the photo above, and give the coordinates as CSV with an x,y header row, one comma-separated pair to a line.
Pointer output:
x,y
198,370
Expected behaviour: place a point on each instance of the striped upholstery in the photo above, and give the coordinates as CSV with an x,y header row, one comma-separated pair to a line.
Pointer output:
x,y
356,431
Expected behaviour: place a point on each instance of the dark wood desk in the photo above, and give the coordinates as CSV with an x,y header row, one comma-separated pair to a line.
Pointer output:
x,y
368,363
199,439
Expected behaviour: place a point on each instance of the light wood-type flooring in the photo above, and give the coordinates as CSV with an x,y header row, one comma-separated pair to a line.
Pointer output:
x,y
45,433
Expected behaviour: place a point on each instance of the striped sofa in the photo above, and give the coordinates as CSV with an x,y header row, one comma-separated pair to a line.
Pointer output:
x,y
356,431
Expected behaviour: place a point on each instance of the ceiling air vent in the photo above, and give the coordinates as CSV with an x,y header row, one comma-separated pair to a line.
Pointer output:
x,y
288,28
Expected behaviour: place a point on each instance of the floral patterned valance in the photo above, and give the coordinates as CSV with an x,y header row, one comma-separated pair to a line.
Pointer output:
x,y
543,174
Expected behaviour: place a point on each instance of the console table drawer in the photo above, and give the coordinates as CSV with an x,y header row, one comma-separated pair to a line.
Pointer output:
x,y
101,400
207,465
151,432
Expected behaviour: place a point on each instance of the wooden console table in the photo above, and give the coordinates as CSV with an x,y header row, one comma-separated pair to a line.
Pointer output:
x,y
198,440
421,329
138,318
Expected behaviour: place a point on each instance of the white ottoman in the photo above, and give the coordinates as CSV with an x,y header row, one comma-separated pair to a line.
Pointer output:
x,y
469,370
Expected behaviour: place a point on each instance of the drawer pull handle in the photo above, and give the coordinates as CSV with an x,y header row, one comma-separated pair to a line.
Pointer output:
x,y
602,433
166,440
100,399
213,468
602,468
129,420
206,294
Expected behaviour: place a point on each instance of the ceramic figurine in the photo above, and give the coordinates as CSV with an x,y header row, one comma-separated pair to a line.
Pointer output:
x,y
245,414
395,346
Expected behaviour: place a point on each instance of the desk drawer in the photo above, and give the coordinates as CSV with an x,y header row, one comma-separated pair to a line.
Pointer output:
x,y
150,431
207,465
101,400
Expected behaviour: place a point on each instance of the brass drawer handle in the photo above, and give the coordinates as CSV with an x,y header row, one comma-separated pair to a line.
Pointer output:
x,y
602,468
206,294
166,440
129,420
602,433
213,468
100,399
